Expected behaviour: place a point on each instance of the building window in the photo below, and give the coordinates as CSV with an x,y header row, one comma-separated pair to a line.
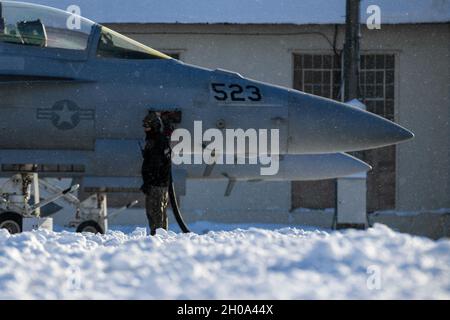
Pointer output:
x,y
318,74
174,55
115,45
376,83
321,74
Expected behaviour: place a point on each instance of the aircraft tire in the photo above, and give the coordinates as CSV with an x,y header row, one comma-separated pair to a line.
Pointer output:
x,y
90,226
11,221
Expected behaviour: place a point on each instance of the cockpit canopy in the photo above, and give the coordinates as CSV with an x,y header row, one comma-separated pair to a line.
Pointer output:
x,y
36,25
40,26
114,45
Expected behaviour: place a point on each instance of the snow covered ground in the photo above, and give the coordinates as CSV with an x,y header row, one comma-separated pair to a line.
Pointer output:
x,y
255,263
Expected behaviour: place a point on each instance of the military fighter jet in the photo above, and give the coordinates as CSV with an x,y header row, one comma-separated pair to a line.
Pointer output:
x,y
72,100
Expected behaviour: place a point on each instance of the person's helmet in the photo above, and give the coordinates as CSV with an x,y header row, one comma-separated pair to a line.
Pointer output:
x,y
152,121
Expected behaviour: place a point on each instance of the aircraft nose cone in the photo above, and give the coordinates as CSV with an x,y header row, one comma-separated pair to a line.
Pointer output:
x,y
319,125
401,134
378,131
353,164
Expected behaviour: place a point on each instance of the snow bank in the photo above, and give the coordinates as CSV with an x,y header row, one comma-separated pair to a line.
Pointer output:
x,y
286,263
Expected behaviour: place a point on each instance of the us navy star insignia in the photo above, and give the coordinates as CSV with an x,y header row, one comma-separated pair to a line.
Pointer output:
x,y
65,114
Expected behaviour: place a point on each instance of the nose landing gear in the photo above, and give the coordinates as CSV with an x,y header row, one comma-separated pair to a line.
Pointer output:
x,y
11,221
90,226
17,214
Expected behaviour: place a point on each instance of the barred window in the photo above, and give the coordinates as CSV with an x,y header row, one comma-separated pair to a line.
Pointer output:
x,y
376,84
318,74
321,74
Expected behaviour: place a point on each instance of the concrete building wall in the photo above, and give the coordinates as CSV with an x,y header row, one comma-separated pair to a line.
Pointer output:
x,y
264,52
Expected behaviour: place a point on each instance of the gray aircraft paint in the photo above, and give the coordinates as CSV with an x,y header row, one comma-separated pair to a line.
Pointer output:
x,y
68,105
110,160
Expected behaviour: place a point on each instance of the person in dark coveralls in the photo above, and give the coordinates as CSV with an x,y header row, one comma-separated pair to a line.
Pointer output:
x,y
156,171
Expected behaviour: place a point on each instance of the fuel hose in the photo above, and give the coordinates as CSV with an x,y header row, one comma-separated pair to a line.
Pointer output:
x,y
176,208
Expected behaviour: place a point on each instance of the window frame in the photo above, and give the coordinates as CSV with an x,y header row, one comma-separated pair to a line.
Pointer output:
x,y
312,53
396,98
96,43
49,52
395,53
